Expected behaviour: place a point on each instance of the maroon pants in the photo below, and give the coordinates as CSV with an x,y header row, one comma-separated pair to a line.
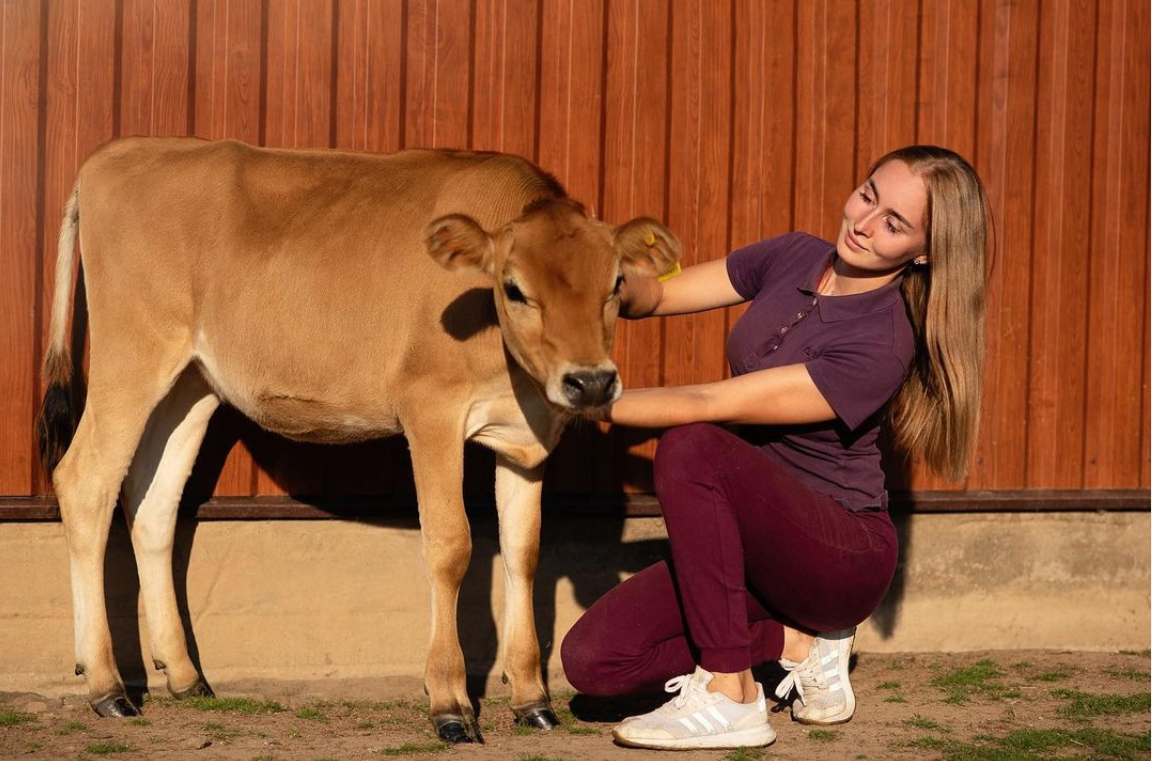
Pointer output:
x,y
752,549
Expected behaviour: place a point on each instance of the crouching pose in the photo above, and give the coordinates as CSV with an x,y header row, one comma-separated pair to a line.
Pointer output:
x,y
780,537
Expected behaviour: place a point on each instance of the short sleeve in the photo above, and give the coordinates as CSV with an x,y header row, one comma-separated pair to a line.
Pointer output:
x,y
750,267
857,378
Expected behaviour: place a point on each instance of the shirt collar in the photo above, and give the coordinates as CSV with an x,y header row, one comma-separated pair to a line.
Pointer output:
x,y
837,308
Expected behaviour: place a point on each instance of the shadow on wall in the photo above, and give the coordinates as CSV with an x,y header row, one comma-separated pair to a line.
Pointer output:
x,y
585,548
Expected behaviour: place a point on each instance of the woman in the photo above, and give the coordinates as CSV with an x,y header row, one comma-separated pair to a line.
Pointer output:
x,y
780,538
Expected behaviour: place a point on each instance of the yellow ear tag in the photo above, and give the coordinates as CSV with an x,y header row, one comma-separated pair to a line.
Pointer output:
x,y
670,273
650,239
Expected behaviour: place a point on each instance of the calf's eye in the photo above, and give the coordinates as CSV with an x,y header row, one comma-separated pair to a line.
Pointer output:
x,y
619,283
512,292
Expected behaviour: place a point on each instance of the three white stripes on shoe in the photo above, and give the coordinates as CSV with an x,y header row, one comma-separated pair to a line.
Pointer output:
x,y
707,726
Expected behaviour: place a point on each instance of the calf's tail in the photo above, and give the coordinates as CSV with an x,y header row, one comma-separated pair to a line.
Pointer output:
x,y
57,422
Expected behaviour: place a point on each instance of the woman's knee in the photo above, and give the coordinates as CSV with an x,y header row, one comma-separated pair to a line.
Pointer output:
x,y
581,656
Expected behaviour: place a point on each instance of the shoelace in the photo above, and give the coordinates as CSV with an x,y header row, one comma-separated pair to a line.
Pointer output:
x,y
681,684
806,676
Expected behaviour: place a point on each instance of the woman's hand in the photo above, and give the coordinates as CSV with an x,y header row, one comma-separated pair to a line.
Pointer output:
x,y
639,296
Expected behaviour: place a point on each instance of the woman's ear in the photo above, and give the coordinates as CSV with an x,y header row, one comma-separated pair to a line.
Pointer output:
x,y
646,247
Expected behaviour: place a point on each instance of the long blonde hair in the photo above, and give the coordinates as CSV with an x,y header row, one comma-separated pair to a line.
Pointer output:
x,y
937,410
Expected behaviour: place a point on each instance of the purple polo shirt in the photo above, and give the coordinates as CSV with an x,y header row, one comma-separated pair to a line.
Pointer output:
x,y
857,349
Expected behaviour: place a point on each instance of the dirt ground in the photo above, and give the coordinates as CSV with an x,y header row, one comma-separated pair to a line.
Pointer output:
x,y
998,706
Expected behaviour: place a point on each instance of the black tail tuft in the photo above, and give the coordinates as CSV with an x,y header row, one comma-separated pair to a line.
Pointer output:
x,y
56,425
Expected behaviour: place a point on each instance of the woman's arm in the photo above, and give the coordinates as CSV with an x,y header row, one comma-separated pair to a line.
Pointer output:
x,y
776,396
697,289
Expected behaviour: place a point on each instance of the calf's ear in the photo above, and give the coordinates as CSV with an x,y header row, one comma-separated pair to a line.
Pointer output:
x,y
457,242
646,247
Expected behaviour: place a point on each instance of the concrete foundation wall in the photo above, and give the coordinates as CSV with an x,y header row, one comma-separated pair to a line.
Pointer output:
x,y
309,602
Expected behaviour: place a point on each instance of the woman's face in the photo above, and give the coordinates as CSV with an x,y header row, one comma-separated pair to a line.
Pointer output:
x,y
884,221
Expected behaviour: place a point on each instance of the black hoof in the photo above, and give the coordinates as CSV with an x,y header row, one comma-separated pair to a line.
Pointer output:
x,y
115,707
538,717
458,729
198,690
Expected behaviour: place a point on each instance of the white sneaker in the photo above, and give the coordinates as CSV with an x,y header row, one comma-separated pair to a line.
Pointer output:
x,y
697,718
823,692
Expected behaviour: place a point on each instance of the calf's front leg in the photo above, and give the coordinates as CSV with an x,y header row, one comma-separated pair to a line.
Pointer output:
x,y
438,466
518,503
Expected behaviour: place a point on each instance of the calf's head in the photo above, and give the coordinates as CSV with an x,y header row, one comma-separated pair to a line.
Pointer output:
x,y
556,275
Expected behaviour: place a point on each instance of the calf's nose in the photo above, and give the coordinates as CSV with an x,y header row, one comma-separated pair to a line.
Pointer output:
x,y
589,389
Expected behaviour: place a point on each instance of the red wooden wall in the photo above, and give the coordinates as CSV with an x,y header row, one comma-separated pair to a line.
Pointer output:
x,y
731,120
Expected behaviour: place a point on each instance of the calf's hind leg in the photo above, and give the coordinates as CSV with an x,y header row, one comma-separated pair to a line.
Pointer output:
x,y
438,466
87,482
152,494
518,502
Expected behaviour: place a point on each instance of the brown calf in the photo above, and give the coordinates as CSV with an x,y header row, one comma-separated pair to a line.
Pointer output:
x,y
307,289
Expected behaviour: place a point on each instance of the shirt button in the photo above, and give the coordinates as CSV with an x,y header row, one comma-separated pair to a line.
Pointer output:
x,y
783,330
800,315
813,301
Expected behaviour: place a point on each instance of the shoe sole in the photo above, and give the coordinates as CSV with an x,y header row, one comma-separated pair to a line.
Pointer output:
x,y
756,737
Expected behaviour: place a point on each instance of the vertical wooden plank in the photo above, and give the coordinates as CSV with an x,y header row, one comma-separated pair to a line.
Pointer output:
x,y
171,61
698,178
137,50
887,72
635,152
826,114
439,76
571,59
949,72
370,75
20,26
1115,438
1059,266
504,78
154,66
762,115
1005,148
228,69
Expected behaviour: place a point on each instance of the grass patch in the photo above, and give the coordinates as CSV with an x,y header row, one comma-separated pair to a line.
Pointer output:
x,y
8,717
69,727
919,722
1145,653
105,749
1060,674
823,735
365,724
234,705
522,730
411,749
32,747
220,732
540,758
224,705
140,721
962,684
1135,675
928,743
1085,705
311,714
895,697
895,666
745,754
888,686
1034,744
